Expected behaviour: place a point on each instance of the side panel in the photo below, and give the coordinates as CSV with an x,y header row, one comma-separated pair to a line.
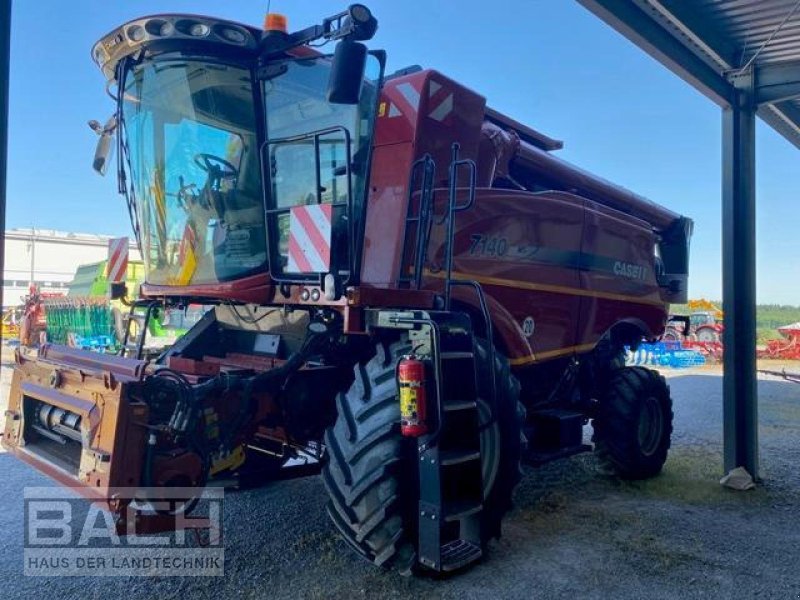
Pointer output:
x,y
618,274
424,112
524,249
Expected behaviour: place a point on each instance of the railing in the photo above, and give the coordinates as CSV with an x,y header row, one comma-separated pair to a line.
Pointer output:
x,y
453,208
423,218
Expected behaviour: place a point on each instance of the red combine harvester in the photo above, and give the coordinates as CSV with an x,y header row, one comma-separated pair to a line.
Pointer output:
x,y
407,284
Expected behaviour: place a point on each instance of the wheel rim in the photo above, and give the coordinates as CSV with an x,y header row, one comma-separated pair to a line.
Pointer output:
x,y
707,335
651,426
490,447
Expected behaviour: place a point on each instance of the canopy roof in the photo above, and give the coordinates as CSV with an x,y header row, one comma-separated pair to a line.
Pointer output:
x,y
720,46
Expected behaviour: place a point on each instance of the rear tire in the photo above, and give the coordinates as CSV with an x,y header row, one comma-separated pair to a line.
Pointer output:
x,y
633,424
507,431
707,334
371,473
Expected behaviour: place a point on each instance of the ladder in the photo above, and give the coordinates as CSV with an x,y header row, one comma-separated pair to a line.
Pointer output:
x,y
450,471
451,494
140,313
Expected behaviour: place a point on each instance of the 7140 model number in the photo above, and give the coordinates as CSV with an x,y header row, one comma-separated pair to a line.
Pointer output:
x,y
488,245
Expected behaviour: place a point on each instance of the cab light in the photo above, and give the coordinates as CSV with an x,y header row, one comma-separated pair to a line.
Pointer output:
x,y
276,22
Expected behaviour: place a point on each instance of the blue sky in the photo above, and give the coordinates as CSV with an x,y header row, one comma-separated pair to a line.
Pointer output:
x,y
547,63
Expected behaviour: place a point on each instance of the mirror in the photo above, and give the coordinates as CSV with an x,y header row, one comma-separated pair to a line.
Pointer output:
x,y
347,72
105,147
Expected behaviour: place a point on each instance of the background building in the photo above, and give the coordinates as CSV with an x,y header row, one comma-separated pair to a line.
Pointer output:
x,y
49,259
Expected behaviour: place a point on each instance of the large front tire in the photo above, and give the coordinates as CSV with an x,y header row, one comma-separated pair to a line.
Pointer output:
x,y
633,424
370,494
371,472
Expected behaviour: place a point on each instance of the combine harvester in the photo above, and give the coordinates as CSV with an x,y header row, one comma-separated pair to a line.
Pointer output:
x,y
404,283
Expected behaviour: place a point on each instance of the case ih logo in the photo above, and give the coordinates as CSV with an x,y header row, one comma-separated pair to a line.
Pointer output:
x,y
66,535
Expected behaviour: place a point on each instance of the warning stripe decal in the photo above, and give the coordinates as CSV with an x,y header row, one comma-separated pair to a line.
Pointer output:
x,y
310,239
117,267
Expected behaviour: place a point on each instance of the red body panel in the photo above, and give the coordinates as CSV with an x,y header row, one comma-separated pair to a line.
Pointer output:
x,y
559,269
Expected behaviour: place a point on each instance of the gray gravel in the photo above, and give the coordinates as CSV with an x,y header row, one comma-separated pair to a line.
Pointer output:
x,y
574,533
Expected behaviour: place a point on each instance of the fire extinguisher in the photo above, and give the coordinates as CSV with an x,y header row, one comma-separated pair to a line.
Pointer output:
x,y
413,396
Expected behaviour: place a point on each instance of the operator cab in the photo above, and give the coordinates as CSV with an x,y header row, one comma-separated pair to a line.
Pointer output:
x,y
223,130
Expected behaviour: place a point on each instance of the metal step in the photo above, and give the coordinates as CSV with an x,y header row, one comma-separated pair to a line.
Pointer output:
x,y
455,511
459,405
456,355
459,553
457,457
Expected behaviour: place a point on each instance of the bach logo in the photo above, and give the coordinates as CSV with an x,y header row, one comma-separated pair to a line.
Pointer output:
x,y
179,534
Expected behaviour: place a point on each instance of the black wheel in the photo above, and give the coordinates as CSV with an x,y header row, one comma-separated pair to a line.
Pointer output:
x,y
633,424
502,441
371,473
371,497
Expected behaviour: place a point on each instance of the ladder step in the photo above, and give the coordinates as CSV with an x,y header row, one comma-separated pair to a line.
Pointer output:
x,y
454,511
456,355
459,405
459,553
457,457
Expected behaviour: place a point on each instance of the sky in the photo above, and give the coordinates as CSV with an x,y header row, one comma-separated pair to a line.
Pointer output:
x,y
547,63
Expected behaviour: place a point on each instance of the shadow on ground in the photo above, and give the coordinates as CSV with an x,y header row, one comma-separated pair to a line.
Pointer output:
x,y
574,532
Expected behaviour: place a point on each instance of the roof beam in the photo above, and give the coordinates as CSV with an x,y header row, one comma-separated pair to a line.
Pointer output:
x,y
641,29
783,118
686,17
777,82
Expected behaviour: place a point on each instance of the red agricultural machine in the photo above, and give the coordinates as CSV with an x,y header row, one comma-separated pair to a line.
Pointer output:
x,y
787,348
407,284
701,330
705,324
34,315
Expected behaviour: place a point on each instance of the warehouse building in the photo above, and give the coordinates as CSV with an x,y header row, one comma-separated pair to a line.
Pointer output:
x,y
49,259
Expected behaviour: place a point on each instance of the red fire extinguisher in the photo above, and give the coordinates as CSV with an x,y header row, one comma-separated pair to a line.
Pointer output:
x,y
413,396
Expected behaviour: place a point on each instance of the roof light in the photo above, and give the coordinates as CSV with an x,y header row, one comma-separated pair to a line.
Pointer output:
x,y
136,33
233,35
199,30
276,22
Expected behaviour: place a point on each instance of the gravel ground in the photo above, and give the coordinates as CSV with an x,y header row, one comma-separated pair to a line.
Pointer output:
x,y
573,533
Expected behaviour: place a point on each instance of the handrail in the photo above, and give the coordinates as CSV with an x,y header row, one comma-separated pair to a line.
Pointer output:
x,y
422,218
453,207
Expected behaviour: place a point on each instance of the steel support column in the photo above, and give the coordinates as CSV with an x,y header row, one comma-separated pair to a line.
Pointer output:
x,y
5,51
740,400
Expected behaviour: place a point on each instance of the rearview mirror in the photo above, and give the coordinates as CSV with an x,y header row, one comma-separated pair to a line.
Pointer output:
x,y
105,149
347,72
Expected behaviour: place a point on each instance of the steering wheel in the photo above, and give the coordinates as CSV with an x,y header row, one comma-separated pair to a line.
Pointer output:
x,y
216,167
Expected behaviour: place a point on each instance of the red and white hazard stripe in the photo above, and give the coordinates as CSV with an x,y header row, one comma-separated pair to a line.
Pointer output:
x,y
310,239
440,101
117,268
